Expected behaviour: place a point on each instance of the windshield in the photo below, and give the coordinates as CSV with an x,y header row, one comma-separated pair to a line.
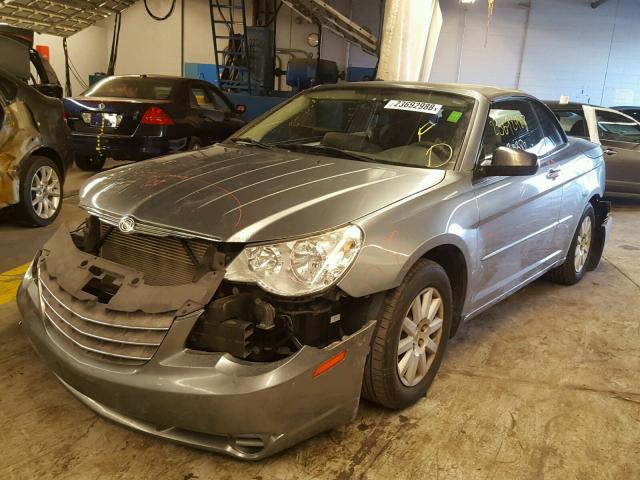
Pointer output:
x,y
132,87
419,129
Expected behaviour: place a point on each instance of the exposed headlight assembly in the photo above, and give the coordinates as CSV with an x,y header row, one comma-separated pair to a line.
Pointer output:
x,y
298,267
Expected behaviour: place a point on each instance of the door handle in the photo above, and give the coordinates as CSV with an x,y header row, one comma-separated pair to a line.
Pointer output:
x,y
553,173
609,151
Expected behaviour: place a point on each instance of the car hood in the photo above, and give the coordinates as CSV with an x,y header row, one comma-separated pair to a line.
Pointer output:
x,y
247,194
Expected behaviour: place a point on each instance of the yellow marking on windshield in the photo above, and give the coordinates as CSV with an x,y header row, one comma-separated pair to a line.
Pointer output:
x,y
424,129
430,151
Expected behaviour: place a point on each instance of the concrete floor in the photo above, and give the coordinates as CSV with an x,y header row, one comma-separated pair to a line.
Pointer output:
x,y
544,385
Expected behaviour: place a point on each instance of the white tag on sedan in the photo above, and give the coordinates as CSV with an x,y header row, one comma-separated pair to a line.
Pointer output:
x,y
422,107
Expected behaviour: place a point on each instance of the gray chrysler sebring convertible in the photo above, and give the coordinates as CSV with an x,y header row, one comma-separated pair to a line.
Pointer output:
x,y
243,297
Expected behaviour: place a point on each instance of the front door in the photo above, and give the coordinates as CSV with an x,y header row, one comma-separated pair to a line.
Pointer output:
x,y
619,136
231,121
207,117
518,216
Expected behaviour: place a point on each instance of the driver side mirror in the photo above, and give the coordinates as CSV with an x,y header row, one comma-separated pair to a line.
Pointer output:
x,y
509,162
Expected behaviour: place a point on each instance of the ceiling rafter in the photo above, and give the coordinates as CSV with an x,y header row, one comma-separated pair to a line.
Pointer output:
x,y
58,17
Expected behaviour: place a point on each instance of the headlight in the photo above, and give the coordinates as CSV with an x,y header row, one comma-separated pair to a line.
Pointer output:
x,y
299,267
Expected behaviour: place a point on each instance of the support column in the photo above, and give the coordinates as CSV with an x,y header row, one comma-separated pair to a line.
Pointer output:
x,y
410,35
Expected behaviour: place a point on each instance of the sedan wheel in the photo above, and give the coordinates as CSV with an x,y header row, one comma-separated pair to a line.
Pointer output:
x,y
420,336
413,325
45,192
40,191
583,244
577,260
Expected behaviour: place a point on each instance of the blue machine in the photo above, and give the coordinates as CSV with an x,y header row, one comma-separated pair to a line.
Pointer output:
x,y
302,72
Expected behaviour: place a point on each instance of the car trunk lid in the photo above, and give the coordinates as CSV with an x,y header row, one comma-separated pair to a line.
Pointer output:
x,y
120,116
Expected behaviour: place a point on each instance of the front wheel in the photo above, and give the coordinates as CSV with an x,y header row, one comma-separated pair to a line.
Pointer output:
x,y
410,337
575,265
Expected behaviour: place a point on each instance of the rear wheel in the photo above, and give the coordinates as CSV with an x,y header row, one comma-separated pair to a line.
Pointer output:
x,y
90,164
194,144
575,265
40,192
410,337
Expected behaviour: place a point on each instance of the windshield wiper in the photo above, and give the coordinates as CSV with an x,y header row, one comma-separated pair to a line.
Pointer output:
x,y
329,151
254,143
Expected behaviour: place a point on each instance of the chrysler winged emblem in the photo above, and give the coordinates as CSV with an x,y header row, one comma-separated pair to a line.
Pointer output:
x,y
126,224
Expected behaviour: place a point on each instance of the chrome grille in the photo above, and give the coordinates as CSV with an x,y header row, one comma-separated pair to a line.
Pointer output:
x,y
129,338
163,260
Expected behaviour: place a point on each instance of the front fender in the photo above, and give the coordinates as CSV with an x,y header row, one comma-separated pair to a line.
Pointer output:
x,y
396,237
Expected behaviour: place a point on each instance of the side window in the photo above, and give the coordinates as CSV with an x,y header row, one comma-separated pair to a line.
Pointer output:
x,y
549,126
572,122
218,101
200,98
513,124
616,127
634,113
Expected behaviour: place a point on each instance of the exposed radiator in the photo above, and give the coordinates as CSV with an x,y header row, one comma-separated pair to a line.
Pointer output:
x,y
163,260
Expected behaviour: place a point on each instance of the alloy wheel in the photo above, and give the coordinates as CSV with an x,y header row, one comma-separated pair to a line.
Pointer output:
x,y
420,336
583,244
45,192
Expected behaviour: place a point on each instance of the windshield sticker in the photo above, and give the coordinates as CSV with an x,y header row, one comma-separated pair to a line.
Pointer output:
x,y
410,105
454,116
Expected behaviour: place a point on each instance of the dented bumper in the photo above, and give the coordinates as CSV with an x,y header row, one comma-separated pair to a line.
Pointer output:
x,y
207,400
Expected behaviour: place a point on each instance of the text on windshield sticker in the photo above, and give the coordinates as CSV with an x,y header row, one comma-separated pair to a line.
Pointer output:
x,y
422,107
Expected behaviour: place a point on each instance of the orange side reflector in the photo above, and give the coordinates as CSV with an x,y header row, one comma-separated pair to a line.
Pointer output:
x,y
329,364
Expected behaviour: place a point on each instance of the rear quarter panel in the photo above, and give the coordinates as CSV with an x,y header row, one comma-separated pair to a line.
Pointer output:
x,y
583,176
54,133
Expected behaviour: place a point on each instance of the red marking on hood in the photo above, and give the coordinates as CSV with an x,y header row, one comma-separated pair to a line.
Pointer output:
x,y
156,180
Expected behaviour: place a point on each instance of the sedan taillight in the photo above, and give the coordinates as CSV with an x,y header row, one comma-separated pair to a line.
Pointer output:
x,y
156,116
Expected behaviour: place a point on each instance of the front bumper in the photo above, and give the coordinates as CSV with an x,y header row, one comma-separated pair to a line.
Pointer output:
x,y
207,400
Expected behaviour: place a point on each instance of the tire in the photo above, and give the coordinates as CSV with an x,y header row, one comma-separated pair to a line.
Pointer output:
x,y
568,273
194,144
90,164
40,192
384,383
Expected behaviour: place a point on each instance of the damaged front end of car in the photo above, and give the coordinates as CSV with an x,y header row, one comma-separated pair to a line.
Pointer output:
x,y
146,328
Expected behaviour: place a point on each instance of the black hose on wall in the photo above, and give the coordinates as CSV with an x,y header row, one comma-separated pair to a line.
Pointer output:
x,y
160,18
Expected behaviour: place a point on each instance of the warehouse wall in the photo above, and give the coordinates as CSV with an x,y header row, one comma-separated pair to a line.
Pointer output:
x,y
149,46
552,48
86,50
154,47
146,45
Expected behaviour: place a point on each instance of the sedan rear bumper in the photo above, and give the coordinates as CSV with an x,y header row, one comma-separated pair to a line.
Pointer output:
x,y
125,147
207,400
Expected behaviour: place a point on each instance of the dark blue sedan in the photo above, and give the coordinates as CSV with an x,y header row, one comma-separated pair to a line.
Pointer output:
x,y
144,116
